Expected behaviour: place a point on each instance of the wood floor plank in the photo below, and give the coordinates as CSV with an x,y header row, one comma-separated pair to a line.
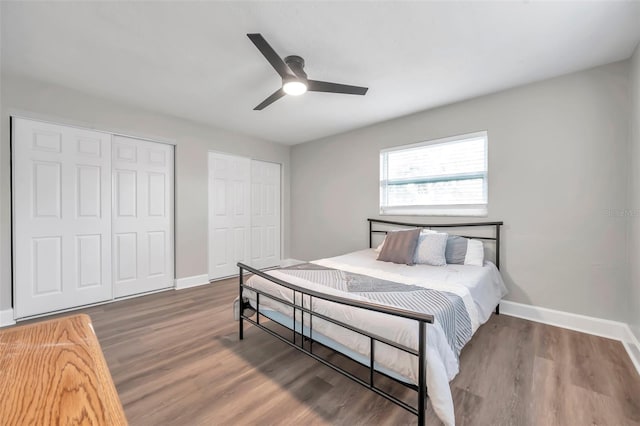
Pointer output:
x,y
176,360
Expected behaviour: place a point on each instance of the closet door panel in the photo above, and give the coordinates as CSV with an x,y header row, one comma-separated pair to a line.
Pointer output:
x,y
142,216
88,259
47,265
265,214
47,180
126,194
157,249
125,256
89,182
229,214
61,217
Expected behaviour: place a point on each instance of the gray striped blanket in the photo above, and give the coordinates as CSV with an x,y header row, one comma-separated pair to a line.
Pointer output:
x,y
448,309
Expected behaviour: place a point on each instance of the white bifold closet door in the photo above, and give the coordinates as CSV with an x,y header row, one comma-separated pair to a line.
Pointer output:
x,y
244,214
265,214
142,216
229,213
61,217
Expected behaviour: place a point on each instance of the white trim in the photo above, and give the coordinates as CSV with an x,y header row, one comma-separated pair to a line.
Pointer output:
x,y
632,345
633,339
456,138
473,210
477,210
194,281
590,325
60,121
597,326
6,317
632,350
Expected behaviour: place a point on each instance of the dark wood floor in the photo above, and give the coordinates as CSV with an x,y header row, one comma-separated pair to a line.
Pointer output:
x,y
176,360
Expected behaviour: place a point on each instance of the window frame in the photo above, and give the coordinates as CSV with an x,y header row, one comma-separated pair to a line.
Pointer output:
x,y
474,210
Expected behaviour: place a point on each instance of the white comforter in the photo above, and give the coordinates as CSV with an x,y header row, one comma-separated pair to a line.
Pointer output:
x,y
481,288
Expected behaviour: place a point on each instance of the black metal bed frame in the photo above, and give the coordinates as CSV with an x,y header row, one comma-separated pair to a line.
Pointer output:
x,y
496,238
421,319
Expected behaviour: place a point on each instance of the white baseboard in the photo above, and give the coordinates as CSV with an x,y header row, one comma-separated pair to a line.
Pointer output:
x,y
194,281
597,326
6,317
590,325
633,338
632,345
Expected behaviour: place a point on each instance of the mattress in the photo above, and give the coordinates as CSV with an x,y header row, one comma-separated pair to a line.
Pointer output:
x,y
480,288
484,283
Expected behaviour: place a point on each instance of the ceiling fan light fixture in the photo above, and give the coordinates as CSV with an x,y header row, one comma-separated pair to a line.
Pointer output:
x,y
294,88
294,79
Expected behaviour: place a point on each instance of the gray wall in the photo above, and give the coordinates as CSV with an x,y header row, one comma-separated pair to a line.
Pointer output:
x,y
634,192
557,177
64,105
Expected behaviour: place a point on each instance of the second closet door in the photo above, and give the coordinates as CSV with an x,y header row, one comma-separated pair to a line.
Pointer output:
x,y
229,215
265,214
142,216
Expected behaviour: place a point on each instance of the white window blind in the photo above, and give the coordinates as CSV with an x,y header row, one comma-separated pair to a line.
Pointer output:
x,y
441,177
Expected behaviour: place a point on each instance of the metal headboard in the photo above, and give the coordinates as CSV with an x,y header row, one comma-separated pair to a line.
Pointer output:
x,y
496,237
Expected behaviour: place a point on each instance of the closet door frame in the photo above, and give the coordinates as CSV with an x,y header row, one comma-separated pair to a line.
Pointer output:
x,y
209,212
13,114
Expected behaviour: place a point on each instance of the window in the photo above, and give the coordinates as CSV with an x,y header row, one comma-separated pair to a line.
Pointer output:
x,y
441,177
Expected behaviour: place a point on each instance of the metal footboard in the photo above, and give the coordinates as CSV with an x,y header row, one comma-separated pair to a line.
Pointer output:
x,y
422,320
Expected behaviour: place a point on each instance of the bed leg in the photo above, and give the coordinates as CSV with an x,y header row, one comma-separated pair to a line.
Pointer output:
x,y
498,309
240,307
422,374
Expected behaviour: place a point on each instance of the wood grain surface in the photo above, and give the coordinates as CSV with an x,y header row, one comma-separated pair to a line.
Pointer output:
x,y
54,373
176,360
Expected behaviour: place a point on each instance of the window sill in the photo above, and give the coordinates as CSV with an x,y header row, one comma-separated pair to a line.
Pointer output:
x,y
422,211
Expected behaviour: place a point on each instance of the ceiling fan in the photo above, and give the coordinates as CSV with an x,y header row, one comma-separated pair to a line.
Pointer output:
x,y
294,79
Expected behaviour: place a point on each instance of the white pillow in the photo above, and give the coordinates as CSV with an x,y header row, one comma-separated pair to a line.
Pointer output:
x,y
475,253
429,231
431,248
379,248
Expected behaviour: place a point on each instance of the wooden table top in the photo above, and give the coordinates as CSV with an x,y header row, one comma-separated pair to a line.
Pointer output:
x,y
54,372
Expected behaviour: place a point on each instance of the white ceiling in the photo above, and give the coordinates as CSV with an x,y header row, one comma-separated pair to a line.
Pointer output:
x,y
193,60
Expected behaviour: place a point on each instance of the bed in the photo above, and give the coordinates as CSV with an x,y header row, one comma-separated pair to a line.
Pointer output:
x,y
407,323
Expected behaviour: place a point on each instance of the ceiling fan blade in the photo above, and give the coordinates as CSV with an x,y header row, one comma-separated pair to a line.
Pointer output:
x,y
324,86
267,51
271,99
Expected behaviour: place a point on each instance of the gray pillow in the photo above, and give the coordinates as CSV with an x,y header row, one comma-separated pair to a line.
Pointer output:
x,y
456,249
399,246
431,249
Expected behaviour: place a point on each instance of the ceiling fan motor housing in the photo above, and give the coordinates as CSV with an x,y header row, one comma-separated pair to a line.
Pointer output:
x,y
296,64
